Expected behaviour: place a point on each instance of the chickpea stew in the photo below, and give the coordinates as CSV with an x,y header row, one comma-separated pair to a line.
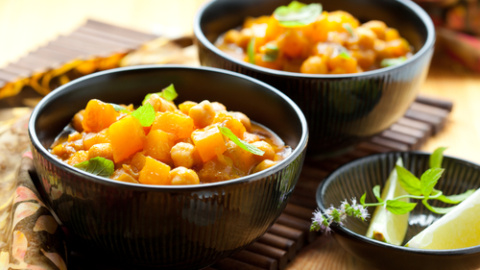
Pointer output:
x,y
160,143
304,38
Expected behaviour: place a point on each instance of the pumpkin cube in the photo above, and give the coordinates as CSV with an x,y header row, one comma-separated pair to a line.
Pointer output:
x,y
127,137
154,172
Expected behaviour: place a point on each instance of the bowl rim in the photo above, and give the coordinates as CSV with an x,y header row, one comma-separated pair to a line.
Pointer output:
x,y
361,238
297,151
417,10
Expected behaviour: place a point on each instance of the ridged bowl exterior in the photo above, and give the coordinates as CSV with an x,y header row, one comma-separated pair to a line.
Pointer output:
x,y
360,176
341,110
177,227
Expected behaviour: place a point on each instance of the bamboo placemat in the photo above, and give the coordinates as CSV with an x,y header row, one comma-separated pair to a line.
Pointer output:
x,y
96,46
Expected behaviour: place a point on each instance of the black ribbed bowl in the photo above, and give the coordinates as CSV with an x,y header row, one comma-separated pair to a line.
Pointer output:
x,y
360,176
178,227
341,110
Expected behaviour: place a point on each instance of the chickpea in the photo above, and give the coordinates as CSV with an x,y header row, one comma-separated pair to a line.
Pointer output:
x,y
366,38
186,106
77,121
378,27
265,164
391,34
104,150
250,137
74,136
159,104
183,154
265,147
314,65
202,114
218,107
183,176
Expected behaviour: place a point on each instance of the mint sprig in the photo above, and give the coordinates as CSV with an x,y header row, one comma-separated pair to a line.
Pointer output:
x,y
241,143
297,14
251,51
145,114
98,166
420,189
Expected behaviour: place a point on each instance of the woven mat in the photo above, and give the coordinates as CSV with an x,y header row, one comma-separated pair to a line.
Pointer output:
x,y
274,250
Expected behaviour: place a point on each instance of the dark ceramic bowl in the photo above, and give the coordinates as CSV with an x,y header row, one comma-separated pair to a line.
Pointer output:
x,y
175,227
359,176
341,110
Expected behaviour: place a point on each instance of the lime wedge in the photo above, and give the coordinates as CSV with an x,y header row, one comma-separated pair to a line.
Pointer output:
x,y
384,225
459,228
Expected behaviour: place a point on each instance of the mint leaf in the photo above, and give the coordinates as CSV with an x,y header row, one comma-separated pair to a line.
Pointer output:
x,y
271,53
118,108
436,157
388,62
437,210
98,166
243,144
251,51
349,28
145,114
169,93
398,207
297,14
345,55
408,181
376,192
362,199
429,179
457,198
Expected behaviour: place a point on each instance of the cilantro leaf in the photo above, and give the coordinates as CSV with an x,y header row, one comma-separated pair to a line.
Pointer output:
x,y
297,14
98,166
243,144
145,114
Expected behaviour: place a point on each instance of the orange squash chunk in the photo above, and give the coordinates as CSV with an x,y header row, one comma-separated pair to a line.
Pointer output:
x,y
127,137
230,122
154,172
98,115
158,145
91,139
176,123
209,142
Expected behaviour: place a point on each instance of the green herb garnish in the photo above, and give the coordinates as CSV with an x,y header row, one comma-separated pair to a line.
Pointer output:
x,y
271,53
349,28
421,189
297,14
98,166
345,55
118,108
388,62
168,93
243,144
145,114
251,51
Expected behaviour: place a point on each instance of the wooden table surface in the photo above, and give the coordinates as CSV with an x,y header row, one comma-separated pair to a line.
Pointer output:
x,y
25,25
